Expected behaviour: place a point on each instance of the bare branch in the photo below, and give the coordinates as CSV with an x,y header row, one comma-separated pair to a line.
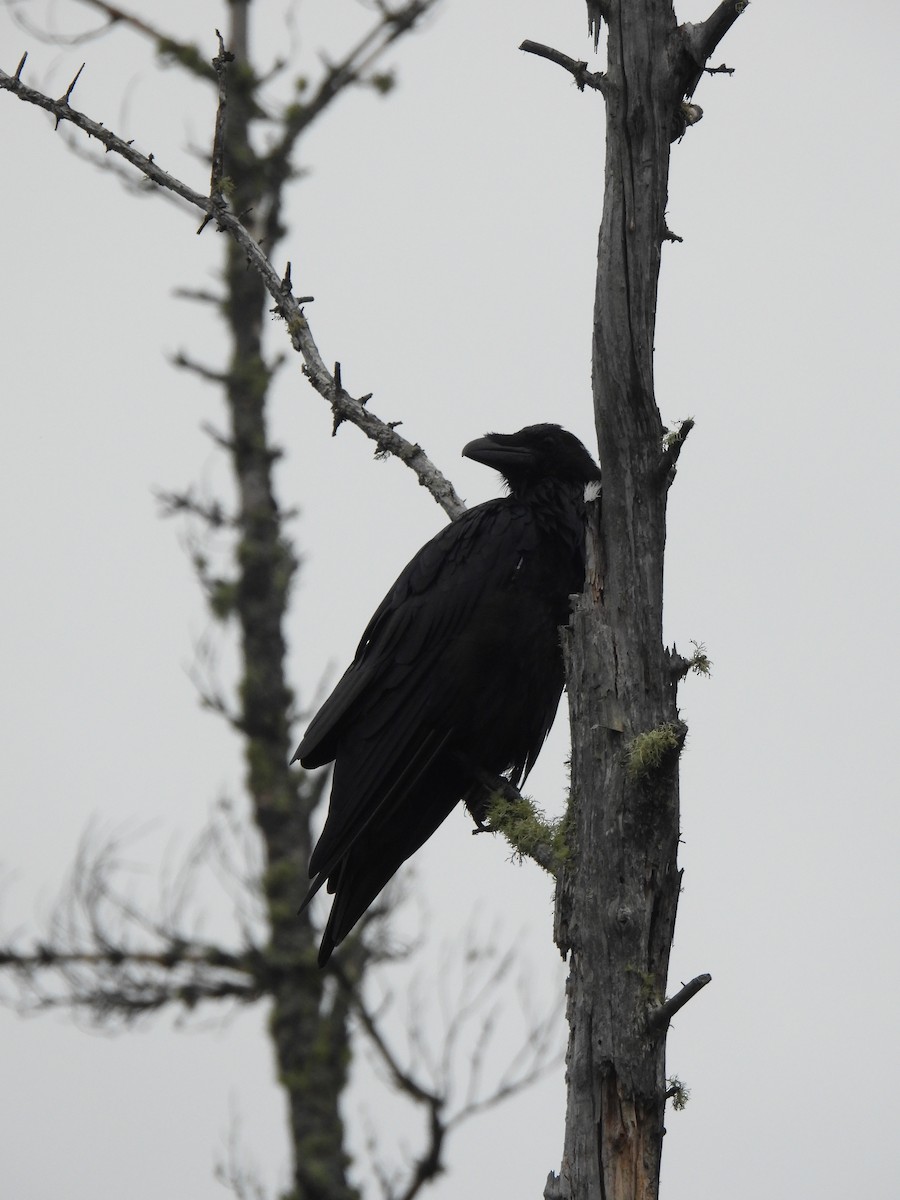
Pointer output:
x,y
187,54
105,957
576,67
207,374
61,110
136,185
660,1016
213,700
199,296
401,1077
720,70
212,513
235,1173
220,439
287,306
470,1020
351,70
119,16
357,67
700,41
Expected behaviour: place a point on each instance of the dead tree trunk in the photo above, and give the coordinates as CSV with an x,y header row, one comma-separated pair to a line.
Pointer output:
x,y
309,1037
619,890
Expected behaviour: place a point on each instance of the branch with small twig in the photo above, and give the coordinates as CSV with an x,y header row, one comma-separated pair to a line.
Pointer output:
x,y
576,67
187,54
353,69
356,68
234,1171
207,374
471,1020
104,957
287,306
212,512
659,1017
700,41
199,296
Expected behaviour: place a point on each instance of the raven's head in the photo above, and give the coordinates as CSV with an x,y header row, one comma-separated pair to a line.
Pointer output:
x,y
534,454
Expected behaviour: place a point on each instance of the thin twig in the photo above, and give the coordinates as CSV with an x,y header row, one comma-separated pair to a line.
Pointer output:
x,y
177,503
188,55
351,69
208,374
199,296
472,1013
67,95
102,955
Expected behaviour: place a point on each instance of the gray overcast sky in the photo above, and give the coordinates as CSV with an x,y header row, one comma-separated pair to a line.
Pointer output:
x,y
449,235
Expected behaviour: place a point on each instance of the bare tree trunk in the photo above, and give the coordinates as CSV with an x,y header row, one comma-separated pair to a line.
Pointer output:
x,y
309,1038
618,893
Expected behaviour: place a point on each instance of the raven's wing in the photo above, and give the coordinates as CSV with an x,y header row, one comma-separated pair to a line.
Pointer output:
x,y
397,705
432,598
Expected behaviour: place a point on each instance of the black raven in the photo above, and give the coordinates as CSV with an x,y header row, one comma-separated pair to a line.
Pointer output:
x,y
458,675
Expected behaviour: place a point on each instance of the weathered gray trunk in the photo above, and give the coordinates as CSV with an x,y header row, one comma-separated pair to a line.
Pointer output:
x,y
309,1037
618,893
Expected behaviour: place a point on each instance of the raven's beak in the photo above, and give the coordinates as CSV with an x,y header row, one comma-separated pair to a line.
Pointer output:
x,y
496,454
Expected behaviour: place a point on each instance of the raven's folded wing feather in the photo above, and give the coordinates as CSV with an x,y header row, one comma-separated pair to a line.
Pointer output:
x,y
394,708
434,596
